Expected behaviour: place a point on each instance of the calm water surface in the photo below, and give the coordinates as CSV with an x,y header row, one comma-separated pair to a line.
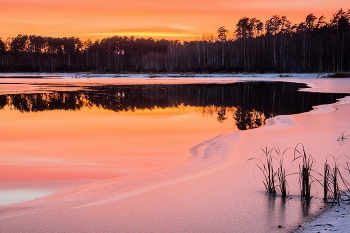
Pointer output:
x,y
54,140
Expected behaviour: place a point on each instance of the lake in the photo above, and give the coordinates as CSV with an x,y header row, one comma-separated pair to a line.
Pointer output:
x,y
60,136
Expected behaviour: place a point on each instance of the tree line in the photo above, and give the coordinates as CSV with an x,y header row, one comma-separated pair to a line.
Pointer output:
x,y
315,45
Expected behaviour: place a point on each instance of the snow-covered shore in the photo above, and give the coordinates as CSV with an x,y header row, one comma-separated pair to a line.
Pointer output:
x,y
335,219
167,75
199,195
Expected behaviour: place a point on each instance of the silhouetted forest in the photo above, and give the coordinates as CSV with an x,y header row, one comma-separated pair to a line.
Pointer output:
x,y
249,103
315,45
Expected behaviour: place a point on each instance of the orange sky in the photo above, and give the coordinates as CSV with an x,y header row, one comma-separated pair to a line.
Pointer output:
x,y
180,19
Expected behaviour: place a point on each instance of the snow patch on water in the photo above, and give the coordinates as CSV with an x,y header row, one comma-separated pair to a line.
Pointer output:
x,y
12,196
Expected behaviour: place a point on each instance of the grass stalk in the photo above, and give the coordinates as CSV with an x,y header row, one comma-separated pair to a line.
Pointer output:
x,y
335,182
281,173
270,173
305,168
326,175
343,136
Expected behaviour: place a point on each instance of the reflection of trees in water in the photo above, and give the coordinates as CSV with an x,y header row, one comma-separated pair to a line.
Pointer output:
x,y
46,101
221,114
3,101
249,119
249,103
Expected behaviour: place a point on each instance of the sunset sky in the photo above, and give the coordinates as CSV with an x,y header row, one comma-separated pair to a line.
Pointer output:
x,y
181,19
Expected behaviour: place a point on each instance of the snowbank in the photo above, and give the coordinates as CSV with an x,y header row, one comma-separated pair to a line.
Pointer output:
x,y
166,75
336,219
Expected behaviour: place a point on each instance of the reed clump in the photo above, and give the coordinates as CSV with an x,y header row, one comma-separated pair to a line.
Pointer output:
x,y
326,176
335,185
274,180
281,173
305,169
265,164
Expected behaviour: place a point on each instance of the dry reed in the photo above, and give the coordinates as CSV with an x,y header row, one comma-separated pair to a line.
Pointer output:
x,y
305,169
266,165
